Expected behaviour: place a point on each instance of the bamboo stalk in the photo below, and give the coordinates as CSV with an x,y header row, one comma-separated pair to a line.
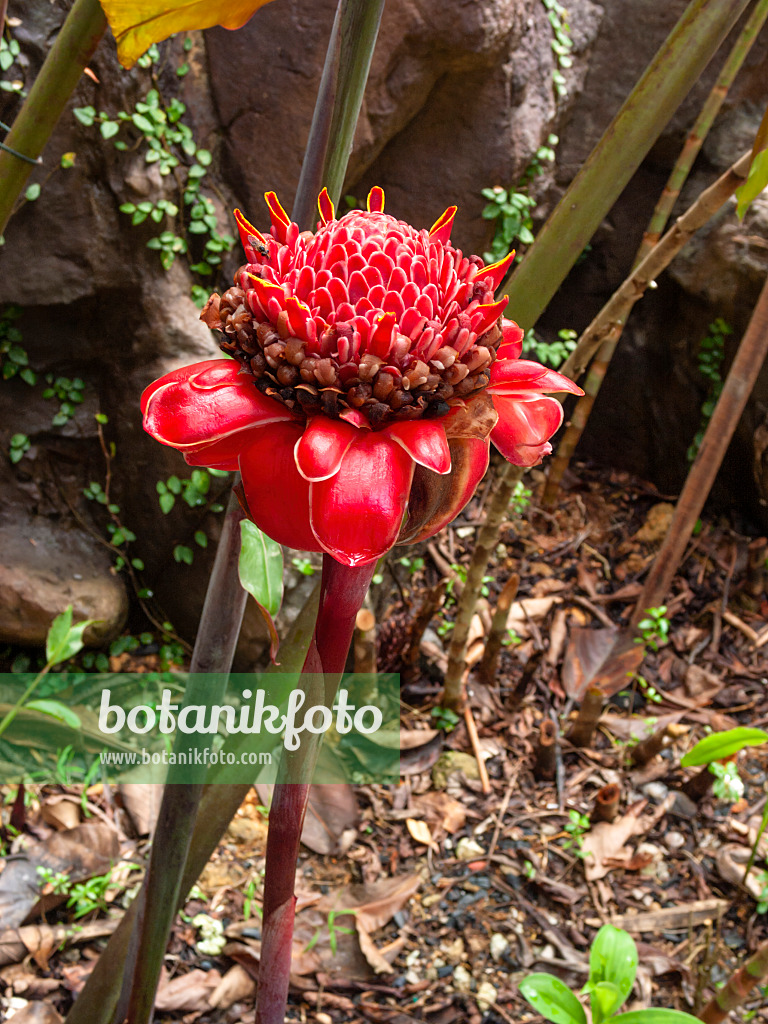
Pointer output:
x,y
474,739
669,195
63,67
611,315
648,748
605,330
737,988
546,752
606,803
667,80
583,728
738,385
487,668
487,540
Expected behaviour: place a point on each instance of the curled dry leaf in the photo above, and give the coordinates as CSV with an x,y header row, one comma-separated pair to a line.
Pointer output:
x,y
187,993
235,986
419,832
38,940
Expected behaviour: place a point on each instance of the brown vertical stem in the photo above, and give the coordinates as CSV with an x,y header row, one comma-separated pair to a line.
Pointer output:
x,y
741,378
756,557
583,729
546,751
487,668
699,784
606,803
737,988
648,748
604,332
487,540
365,641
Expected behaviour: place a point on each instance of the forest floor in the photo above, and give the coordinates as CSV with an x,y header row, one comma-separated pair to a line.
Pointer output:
x,y
431,900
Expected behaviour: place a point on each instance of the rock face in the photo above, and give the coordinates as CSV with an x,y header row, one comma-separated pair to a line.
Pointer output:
x,y
460,97
49,568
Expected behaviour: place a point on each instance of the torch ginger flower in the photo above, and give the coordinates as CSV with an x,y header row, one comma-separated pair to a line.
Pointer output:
x,y
370,369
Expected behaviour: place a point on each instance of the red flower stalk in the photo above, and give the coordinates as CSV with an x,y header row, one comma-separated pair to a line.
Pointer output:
x,y
370,368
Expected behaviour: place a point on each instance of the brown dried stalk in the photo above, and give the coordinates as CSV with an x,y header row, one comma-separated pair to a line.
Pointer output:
x,y
546,752
487,668
606,803
487,540
583,728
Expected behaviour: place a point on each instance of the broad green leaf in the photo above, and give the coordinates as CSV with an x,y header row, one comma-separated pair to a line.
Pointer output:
x,y
57,635
136,24
64,640
604,999
56,710
552,999
754,185
655,1016
261,573
613,958
723,744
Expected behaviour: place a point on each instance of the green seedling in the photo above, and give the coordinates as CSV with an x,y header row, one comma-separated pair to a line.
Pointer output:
x,y
612,968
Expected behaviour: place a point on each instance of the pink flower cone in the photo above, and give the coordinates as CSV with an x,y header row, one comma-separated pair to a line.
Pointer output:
x,y
370,370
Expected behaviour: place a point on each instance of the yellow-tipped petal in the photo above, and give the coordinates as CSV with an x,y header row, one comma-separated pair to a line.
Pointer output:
x,y
326,207
441,229
136,24
376,200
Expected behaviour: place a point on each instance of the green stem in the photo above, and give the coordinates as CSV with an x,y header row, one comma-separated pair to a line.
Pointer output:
x,y
24,698
487,539
75,45
669,195
665,83
161,893
345,73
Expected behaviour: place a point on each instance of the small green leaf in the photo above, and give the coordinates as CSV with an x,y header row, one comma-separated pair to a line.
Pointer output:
x,y
201,538
722,744
145,126
261,567
108,129
32,193
64,640
552,998
85,115
613,959
167,501
57,710
604,999
261,573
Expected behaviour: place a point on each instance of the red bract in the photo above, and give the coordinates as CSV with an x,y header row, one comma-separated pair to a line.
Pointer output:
x,y
370,370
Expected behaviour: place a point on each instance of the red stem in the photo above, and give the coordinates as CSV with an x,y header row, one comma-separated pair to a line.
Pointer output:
x,y
342,592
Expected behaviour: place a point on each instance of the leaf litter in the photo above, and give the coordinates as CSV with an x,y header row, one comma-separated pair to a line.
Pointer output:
x,y
431,901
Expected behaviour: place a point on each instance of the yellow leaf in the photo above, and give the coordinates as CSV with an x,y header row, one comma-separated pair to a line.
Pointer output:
x,y
136,24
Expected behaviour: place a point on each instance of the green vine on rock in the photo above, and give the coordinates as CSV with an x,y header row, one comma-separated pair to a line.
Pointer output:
x,y
710,359
169,142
